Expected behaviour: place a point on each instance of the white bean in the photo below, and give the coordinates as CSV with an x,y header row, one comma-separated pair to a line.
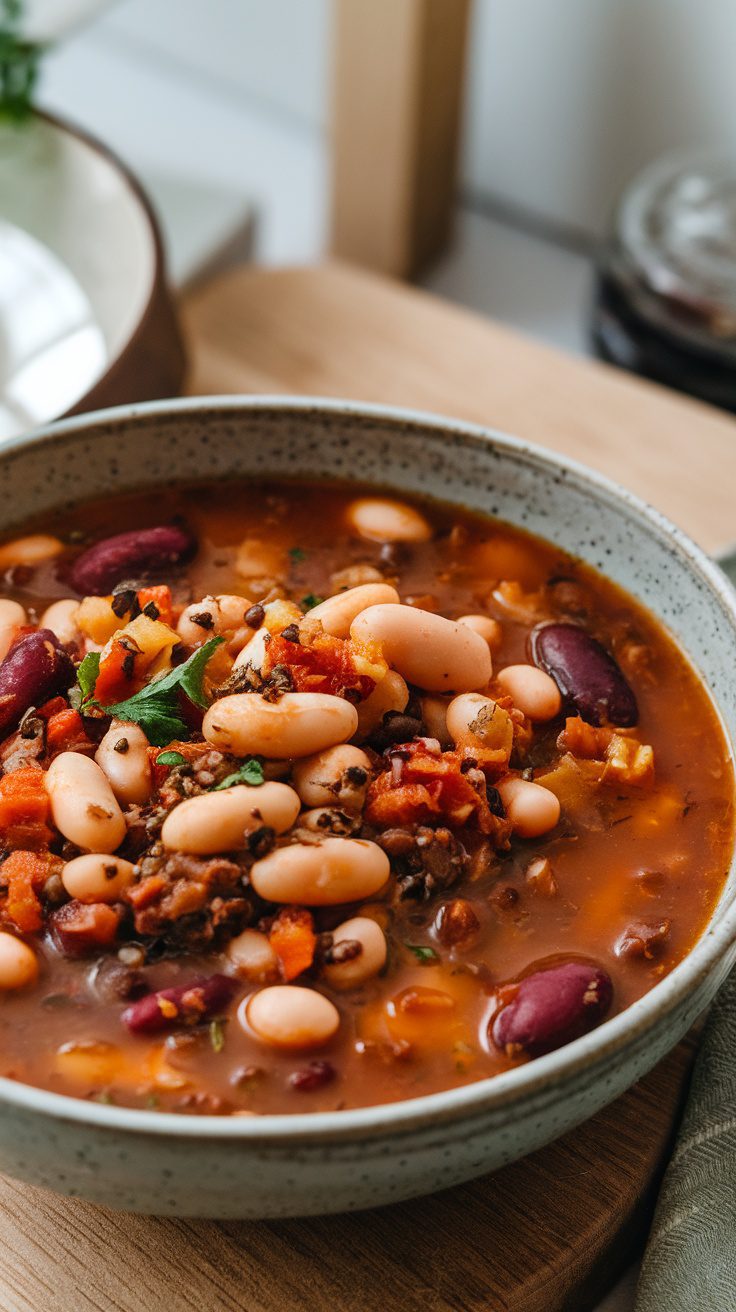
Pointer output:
x,y
488,629
12,617
18,963
337,613
123,755
253,958
222,616
287,1016
391,694
436,654
83,806
61,618
382,520
31,550
257,559
321,874
298,724
472,718
372,958
96,877
320,780
532,809
221,821
532,691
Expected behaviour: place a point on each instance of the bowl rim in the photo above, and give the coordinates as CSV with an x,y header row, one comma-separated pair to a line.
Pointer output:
x,y
158,258
482,1097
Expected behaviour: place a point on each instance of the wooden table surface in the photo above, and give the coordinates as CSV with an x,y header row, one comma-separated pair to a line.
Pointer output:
x,y
543,1234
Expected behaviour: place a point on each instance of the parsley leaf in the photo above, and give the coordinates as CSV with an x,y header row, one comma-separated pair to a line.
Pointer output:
x,y
156,707
250,772
311,600
297,554
87,674
423,954
171,758
217,1034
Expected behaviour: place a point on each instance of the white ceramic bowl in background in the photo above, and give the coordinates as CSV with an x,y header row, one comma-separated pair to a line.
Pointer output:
x,y
289,1165
85,317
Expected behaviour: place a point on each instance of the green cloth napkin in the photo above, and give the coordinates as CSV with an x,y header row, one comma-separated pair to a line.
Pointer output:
x,y
690,1260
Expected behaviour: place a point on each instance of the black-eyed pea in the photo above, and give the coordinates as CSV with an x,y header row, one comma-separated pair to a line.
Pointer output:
x,y
321,874
338,776
337,613
349,968
222,616
489,629
298,724
391,694
31,550
83,805
97,877
12,618
286,1016
434,717
252,958
221,821
531,809
123,756
434,653
476,720
18,963
61,618
381,520
534,693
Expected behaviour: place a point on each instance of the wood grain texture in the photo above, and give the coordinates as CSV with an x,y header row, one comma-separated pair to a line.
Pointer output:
x,y
546,1234
336,331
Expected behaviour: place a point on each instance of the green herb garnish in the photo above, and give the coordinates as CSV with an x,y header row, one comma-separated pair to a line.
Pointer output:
x,y
171,758
297,554
423,954
217,1034
156,707
87,674
311,600
18,63
250,772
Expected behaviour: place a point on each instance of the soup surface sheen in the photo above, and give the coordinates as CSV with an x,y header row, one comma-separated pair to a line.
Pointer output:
x,y
329,856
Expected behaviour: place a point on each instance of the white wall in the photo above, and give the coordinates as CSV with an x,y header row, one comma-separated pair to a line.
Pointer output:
x,y
567,98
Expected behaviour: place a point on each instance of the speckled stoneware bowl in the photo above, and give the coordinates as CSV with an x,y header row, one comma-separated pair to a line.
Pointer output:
x,y
290,1165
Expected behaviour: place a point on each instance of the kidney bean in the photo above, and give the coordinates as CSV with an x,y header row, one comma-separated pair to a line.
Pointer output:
x,y
552,1007
313,1076
127,555
36,668
585,673
185,1004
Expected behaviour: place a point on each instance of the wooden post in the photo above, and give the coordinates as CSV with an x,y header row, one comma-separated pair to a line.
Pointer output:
x,y
397,93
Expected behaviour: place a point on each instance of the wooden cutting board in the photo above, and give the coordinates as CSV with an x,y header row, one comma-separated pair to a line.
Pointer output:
x,y
549,1233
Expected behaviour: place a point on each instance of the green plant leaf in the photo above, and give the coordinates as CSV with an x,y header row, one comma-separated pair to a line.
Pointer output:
x,y
87,673
171,758
156,707
423,954
250,772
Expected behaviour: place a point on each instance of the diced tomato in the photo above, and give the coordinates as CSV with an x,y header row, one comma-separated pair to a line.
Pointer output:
x,y
293,939
24,872
321,663
422,785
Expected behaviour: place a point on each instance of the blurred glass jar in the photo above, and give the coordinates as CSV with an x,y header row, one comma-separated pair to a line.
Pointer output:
x,y
665,293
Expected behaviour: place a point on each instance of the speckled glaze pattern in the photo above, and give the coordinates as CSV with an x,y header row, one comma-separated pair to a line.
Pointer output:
x,y
306,1164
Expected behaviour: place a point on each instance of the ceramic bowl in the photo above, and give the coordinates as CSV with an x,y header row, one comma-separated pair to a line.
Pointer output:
x,y
85,315
306,1164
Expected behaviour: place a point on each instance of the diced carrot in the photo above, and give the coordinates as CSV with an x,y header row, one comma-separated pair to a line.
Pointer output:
x,y
65,731
293,939
52,708
24,872
24,808
160,596
115,678
141,895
